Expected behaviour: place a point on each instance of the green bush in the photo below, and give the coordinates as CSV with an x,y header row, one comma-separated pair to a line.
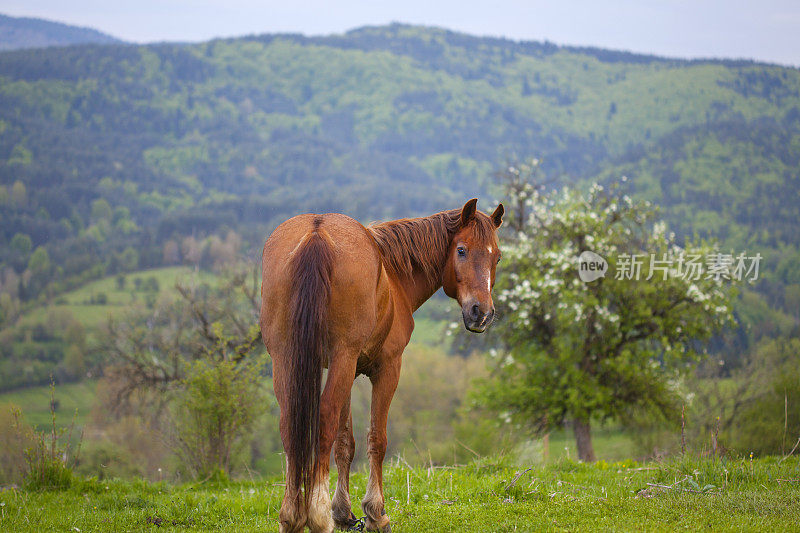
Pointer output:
x,y
49,458
15,437
215,414
769,419
106,460
46,468
100,298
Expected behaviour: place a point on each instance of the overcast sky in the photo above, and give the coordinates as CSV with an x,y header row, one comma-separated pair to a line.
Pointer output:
x,y
767,30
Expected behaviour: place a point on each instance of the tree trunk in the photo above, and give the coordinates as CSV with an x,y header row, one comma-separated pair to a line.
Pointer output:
x,y
546,447
583,438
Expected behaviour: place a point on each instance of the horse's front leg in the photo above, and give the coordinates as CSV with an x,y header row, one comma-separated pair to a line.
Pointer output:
x,y
343,449
384,384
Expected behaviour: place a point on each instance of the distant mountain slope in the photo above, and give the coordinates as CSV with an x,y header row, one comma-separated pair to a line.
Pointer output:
x,y
19,32
107,150
741,179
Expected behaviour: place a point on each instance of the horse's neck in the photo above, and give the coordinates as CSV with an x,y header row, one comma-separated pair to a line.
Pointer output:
x,y
418,289
416,251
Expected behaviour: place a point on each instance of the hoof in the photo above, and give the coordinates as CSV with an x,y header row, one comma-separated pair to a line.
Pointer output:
x,y
349,524
382,524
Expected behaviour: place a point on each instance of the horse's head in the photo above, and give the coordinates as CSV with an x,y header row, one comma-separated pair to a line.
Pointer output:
x,y
470,268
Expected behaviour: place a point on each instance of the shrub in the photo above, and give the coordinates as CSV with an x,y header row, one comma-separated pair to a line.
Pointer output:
x,y
100,298
768,421
15,437
130,436
106,460
46,468
49,459
215,413
756,409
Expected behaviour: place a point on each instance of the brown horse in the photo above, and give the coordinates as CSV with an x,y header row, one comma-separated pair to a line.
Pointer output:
x,y
338,295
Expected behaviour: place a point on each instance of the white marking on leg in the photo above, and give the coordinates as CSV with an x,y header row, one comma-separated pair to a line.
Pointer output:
x,y
319,512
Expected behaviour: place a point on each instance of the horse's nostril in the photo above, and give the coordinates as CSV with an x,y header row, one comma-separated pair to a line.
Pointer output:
x,y
475,312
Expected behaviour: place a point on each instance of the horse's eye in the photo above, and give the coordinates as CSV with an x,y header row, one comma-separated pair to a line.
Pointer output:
x,y
462,252
498,259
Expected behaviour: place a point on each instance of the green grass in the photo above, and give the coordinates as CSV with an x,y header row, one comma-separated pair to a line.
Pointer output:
x,y
92,315
429,332
611,443
35,403
691,494
431,322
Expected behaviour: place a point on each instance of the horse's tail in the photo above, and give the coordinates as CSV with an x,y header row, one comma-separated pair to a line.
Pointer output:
x,y
311,269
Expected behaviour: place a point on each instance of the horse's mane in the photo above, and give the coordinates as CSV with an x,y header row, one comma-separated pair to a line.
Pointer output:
x,y
423,242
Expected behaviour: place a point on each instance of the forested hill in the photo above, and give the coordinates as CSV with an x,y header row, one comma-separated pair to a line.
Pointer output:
x,y
22,32
109,152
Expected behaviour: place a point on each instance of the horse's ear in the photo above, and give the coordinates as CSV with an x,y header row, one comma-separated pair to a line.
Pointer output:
x,y
497,216
468,211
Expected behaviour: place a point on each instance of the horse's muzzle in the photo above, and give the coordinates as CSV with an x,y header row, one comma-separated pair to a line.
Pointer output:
x,y
475,319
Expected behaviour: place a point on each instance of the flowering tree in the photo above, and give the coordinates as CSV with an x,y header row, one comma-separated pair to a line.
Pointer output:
x,y
578,351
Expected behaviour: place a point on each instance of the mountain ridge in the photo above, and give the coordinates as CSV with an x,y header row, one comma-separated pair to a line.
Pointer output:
x,y
33,32
90,35
617,53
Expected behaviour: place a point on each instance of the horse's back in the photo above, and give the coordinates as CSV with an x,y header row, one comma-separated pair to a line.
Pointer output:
x,y
355,277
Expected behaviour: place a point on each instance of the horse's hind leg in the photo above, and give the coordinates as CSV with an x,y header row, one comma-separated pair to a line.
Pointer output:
x,y
383,387
293,514
343,449
336,392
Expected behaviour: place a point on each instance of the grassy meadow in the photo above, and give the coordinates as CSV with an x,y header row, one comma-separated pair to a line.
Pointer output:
x,y
535,486
71,398
93,303
490,494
